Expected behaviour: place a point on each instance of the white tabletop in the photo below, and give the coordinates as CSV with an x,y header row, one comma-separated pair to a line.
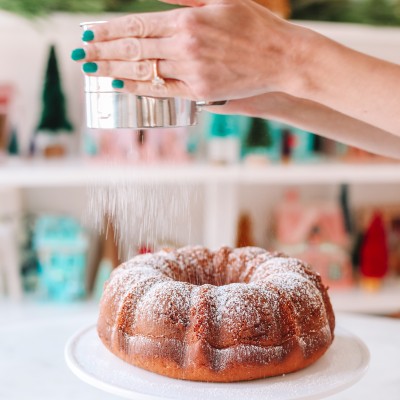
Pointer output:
x,y
33,336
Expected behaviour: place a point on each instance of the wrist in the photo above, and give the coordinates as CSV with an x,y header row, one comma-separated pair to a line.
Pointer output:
x,y
273,105
309,63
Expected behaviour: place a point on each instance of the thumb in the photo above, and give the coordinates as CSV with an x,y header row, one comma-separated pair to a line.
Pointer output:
x,y
190,3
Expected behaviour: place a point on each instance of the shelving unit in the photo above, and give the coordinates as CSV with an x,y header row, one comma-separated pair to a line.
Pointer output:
x,y
221,187
383,302
75,172
220,184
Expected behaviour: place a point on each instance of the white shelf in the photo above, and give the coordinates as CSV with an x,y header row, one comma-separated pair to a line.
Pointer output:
x,y
39,173
356,300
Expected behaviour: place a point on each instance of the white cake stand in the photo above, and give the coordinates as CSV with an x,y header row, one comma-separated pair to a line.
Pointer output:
x,y
344,364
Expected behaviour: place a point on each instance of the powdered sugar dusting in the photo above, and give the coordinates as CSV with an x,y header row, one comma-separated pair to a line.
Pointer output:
x,y
142,214
306,298
164,310
197,261
246,311
247,354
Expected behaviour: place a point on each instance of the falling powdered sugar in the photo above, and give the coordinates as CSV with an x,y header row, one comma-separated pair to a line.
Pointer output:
x,y
141,214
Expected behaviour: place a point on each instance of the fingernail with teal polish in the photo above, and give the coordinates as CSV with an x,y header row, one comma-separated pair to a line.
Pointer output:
x,y
90,67
88,36
78,54
117,84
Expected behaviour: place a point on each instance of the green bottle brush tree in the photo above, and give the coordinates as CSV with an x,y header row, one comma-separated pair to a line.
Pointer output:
x,y
258,142
54,124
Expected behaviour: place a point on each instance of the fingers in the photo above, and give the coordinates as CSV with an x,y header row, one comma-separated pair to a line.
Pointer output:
x,y
129,49
171,88
156,24
138,71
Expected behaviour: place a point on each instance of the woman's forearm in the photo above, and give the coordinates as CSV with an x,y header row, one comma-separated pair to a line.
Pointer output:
x,y
319,119
352,83
337,126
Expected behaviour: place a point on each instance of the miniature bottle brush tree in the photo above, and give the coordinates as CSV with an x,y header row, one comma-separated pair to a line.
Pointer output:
x,y
53,120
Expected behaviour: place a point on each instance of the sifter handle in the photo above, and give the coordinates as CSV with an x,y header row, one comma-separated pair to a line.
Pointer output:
x,y
211,103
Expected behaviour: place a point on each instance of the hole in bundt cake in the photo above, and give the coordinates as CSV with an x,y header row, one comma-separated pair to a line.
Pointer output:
x,y
204,267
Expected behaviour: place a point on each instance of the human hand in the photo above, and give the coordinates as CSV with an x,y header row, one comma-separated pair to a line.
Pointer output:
x,y
213,50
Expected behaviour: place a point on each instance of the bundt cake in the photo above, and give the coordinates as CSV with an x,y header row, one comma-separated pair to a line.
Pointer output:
x,y
223,316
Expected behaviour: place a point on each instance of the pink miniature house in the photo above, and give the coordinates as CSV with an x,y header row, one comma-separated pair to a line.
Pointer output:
x,y
315,233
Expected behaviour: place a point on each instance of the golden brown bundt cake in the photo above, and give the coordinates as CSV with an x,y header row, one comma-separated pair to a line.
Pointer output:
x,y
223,316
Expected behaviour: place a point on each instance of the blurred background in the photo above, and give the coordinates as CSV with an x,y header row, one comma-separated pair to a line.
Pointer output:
x,y
75,202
